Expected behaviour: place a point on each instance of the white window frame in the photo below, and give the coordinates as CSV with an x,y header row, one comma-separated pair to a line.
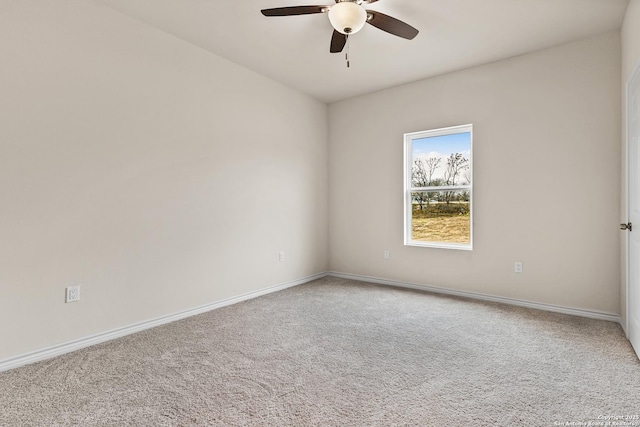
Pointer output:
x,y
408,189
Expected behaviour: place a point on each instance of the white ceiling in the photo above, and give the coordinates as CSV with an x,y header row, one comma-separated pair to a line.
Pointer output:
x,y
454,34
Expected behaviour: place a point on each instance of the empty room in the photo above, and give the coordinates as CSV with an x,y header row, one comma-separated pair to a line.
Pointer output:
x,y
344,213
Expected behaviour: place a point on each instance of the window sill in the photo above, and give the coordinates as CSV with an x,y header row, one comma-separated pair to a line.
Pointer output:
x,y
460,247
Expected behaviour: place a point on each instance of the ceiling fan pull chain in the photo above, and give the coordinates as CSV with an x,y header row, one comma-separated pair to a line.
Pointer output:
x,y
346,55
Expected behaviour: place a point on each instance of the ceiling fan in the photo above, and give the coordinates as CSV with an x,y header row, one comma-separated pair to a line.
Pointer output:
x,y
348,17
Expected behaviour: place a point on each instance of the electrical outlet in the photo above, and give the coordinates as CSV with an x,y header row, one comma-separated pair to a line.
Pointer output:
x,y
517,267
281,256
387,254
72,294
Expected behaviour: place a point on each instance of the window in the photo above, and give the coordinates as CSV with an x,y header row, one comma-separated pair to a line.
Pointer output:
x,y
438,188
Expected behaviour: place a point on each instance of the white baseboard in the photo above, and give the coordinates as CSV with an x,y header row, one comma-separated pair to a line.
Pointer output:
x,y
484,297
70,346
74,345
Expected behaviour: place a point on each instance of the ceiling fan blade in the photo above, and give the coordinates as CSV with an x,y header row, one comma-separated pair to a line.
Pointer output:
x,y
338,40
391,25
370,1
294,10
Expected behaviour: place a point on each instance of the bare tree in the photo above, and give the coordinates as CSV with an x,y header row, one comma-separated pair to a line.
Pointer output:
x,y
419,178
467,176
456,164
432,164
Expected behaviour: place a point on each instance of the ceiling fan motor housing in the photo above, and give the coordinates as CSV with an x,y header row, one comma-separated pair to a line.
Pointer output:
x,y
347,17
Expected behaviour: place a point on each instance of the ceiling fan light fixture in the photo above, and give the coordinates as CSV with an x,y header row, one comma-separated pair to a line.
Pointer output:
x,y
347,17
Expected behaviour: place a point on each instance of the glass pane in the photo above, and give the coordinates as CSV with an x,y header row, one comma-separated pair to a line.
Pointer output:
x,y
441,160
441,217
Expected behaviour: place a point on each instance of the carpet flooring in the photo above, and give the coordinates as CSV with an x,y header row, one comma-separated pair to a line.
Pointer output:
x,y
336,352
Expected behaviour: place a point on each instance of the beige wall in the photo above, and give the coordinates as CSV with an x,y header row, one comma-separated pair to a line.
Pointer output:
x,y
546,167
154,174
630,38
630,35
